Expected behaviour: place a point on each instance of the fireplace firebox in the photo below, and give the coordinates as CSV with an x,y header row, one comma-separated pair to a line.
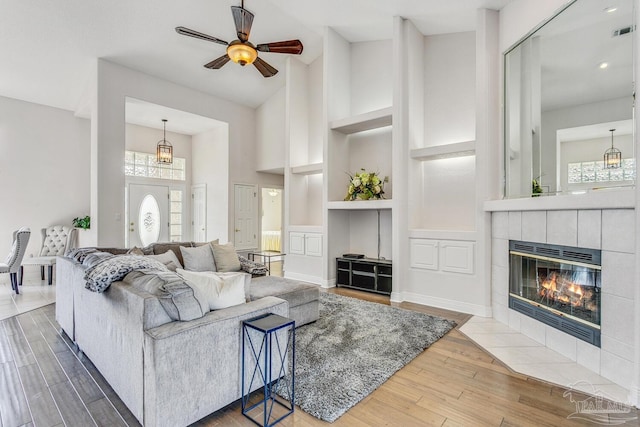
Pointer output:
x,y
557,285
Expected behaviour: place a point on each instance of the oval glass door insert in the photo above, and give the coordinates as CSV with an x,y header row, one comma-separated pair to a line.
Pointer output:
x,y
149,220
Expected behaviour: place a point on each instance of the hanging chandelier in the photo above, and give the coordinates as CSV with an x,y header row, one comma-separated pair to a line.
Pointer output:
x,y
613,156
164,149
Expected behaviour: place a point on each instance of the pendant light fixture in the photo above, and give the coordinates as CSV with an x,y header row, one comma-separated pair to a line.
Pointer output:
x,y
164,151
613,156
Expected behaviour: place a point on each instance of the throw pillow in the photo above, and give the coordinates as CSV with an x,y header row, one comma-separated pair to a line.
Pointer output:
x,y
169,259
110,270
226,257
95,258
135,251
222,290
198,259
252,267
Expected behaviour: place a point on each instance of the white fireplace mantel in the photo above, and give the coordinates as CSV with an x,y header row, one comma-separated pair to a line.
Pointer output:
x,y
613,198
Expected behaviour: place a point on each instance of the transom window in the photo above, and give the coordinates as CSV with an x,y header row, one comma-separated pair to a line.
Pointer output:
x,y
145,165
588,172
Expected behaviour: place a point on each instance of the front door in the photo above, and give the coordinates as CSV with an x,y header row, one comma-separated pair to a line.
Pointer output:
x,y
245,216
148,214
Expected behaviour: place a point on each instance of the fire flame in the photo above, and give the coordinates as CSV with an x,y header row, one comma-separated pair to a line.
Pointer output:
x,y
560,289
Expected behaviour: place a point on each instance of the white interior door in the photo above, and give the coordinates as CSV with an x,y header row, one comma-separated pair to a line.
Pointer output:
x,y
199,212
148,214
245,216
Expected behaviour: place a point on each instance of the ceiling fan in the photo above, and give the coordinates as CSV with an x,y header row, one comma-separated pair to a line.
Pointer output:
x,y
241,51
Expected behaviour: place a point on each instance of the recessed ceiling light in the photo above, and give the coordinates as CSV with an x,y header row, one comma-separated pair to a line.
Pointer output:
x,y
603,65
611,9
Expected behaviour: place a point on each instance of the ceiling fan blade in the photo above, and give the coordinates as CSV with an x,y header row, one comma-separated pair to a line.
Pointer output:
x,y
218,62
243,19
192,33
264,68
293,47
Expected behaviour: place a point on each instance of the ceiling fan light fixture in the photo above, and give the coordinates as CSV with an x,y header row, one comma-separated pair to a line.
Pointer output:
x,y
241,53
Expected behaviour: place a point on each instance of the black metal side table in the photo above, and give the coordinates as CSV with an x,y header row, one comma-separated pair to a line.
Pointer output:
x,y
268,385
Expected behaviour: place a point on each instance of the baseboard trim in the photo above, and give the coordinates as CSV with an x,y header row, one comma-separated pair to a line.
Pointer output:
x,y
447,304
304,278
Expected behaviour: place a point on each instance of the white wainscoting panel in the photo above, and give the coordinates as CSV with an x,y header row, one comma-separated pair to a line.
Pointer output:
x,y
456,257
296,243
424,253
313,244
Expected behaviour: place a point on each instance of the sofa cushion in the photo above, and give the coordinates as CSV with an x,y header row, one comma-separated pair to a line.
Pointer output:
x,y
160,248
179,299
169,259
198,259
100,276
135,251
222,290
226,257
296,293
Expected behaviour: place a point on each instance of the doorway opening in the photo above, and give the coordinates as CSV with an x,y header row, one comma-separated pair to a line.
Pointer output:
x,y
271,199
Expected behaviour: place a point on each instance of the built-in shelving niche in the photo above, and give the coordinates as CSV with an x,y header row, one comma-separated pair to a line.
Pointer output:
x,y
363,122
310,169
445,151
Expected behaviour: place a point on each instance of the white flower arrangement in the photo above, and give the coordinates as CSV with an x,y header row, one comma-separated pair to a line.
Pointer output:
x,y
365,186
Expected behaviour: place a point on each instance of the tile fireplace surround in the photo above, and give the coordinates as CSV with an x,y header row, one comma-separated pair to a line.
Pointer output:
x,y
610,230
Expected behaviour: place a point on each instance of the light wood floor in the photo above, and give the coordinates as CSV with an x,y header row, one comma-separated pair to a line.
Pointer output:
x,y
454,382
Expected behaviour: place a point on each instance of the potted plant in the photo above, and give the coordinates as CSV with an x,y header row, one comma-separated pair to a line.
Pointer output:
x,y
83,223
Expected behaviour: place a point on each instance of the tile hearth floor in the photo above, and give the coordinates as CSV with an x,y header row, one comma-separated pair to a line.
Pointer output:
x,y
529,357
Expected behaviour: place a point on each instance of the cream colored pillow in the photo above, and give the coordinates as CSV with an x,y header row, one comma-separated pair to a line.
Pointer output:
x,y
220,290
225,257
199,258
169,258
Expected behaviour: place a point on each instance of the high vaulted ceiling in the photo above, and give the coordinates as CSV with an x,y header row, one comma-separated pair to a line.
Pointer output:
x,y
47,48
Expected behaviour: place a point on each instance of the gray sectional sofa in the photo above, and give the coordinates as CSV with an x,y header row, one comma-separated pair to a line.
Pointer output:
x,y
168,372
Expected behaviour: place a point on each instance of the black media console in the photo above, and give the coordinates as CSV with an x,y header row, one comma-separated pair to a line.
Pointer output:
x,y
366,274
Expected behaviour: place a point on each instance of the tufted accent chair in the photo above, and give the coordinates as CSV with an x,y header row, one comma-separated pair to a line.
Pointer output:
x,y
57,240
14,259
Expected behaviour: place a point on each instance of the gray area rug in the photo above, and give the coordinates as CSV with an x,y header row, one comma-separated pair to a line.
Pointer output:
x,y
353,348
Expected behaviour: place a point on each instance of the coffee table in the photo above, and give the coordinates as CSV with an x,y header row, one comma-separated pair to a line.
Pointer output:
x,y
266,257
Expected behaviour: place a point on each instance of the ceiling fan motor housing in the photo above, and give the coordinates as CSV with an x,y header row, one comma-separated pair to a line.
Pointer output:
x,y
242,53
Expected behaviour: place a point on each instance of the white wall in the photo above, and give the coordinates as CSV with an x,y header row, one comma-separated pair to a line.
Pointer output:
x,y
44,169
449,88
448,185
211,167
371,76
316,125
114,84
270,132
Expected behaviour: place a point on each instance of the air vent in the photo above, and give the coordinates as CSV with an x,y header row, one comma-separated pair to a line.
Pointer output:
x,y
624,30
567,253
578,256
523,247
548,251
